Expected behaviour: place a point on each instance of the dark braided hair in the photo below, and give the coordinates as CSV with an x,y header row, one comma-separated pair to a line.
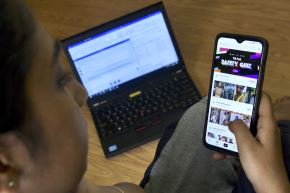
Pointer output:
x,y
16,30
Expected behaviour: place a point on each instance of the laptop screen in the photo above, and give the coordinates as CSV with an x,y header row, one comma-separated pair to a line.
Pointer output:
x,y
107,60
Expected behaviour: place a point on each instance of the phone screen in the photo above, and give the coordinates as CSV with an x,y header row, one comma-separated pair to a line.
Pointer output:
x,y
233,90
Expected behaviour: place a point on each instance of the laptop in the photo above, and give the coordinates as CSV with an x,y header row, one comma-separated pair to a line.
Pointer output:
x,y
135,77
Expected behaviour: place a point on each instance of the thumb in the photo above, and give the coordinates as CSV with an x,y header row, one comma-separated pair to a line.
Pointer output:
x,y
245,139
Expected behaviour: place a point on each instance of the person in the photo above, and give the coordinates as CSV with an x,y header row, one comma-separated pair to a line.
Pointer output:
x,y
218,90
226,118
250,99
43,140
43,137
229,91
213,117
239,95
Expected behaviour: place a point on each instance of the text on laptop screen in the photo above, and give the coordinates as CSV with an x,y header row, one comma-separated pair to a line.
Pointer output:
x,y
121,54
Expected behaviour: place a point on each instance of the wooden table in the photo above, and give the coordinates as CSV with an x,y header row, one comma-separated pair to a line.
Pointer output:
x,y
195,23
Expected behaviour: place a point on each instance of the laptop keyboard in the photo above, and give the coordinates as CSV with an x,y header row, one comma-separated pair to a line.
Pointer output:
x,y
146,108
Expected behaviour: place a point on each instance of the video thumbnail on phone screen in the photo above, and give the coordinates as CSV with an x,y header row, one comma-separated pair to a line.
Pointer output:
x,y
234,92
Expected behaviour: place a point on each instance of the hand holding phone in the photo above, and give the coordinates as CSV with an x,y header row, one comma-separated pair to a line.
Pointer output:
x,y
261,156
235,88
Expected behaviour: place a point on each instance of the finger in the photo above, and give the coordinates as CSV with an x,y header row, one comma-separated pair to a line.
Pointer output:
x,y
245,139
267,130
266,116
218,156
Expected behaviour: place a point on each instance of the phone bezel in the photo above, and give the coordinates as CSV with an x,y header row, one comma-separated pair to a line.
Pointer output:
x,y
239,38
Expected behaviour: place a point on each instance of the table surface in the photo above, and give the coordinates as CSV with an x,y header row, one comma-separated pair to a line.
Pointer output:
x,y
195,25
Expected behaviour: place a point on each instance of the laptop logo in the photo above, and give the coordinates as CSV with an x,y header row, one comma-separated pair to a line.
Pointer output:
x,y
113,148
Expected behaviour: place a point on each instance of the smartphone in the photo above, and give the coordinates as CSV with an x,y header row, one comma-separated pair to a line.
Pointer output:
x,y
235,88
